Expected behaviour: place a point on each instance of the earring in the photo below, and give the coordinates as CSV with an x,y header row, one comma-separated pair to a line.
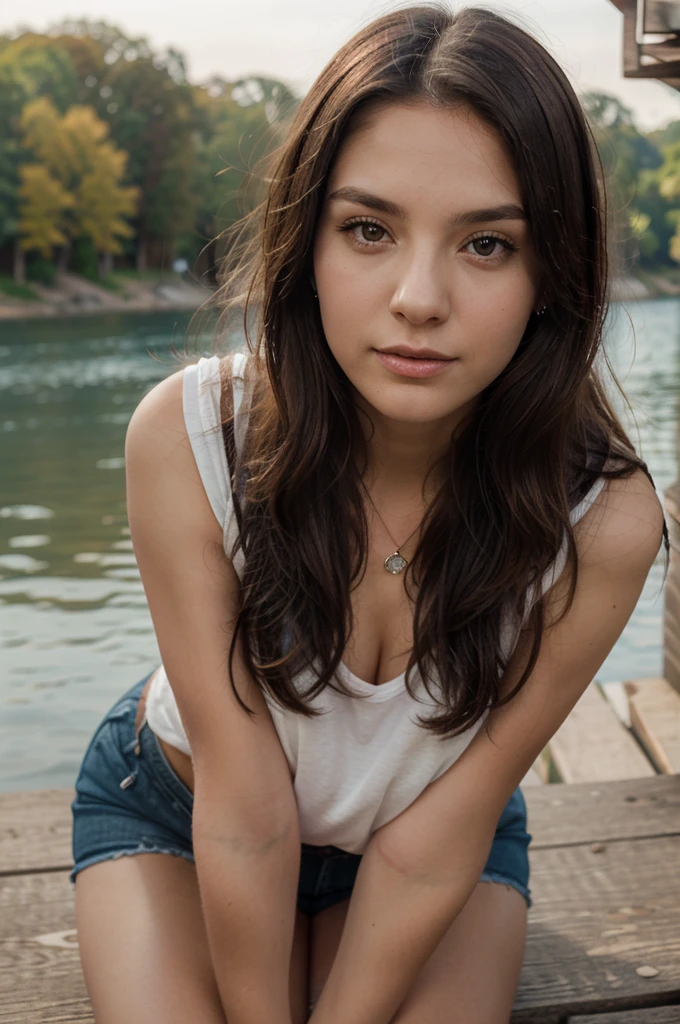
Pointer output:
x,y
541,311
313,284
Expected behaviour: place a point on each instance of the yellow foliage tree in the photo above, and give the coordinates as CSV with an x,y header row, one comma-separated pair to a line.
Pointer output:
x,y
77,155
42,125
103,203
44,202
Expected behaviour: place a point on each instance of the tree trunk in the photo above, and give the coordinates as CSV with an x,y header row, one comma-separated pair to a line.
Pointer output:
x,y
105,264
141,255
64,256
19,263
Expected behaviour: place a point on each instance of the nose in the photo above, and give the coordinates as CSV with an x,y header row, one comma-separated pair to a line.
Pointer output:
x,y
421,292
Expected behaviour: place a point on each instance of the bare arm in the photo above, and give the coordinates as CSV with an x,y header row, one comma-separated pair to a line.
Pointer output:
x,y
420,868
245,822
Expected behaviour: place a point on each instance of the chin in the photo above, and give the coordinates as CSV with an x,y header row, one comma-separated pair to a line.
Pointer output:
x,y
417,409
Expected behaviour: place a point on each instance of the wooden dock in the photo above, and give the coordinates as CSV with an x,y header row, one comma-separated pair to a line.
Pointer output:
x,y
603,942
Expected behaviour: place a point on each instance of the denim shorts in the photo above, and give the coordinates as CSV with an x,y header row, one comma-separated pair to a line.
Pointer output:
x,y
130,800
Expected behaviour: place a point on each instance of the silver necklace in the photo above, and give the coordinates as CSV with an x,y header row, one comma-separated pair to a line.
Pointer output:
x,y
394,563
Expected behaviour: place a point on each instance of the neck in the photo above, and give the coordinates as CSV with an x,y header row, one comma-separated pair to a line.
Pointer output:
x,y
402,457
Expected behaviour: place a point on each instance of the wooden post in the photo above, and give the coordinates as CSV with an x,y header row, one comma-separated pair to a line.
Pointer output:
x,y
671,616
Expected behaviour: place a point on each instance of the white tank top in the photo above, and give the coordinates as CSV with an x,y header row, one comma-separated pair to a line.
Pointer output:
x,y
365,759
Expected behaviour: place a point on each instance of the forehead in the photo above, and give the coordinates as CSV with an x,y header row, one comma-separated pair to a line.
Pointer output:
x,y
447,154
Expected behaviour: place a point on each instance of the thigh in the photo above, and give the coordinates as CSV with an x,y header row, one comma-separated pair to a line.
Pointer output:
x,y
140,924
144,948
489,930
472,976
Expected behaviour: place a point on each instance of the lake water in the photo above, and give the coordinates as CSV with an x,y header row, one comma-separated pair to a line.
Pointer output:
x,y
75,631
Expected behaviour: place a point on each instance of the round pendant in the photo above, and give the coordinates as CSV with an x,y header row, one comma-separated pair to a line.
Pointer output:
x,y
395,563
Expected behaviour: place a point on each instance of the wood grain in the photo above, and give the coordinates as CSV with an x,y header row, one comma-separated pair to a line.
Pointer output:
x,y
655,719
593,745
660,1015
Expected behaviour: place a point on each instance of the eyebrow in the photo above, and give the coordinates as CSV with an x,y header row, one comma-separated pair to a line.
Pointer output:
x,y
506,211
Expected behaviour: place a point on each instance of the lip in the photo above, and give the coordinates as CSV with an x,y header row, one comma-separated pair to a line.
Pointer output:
x,y
415,353
424,362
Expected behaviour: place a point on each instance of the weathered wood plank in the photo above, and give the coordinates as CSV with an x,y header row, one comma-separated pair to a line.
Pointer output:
x,y
655,719
35,830
606,812
617,697
596,919
35,826
631,58
532,778
593,746
660,1015
41,979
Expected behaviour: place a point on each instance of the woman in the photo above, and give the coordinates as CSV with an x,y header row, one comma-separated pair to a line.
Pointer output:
x,y
407,512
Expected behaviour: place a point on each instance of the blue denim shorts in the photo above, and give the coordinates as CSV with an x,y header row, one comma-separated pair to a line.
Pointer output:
x,y
130,800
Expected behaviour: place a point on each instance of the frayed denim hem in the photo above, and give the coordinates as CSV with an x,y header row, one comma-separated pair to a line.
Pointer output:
x,y
496,876
142,848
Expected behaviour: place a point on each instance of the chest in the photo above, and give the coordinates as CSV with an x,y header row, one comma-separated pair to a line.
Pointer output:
x,y
379,647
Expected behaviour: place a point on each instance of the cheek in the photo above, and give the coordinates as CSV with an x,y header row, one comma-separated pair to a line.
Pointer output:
x,y
494,314
348,308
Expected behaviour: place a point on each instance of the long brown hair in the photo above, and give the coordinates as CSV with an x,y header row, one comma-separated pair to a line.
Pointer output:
x,y
540,433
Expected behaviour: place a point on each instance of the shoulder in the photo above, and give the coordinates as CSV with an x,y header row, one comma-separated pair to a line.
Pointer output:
x,y
159,411
164,484
156,439
623,530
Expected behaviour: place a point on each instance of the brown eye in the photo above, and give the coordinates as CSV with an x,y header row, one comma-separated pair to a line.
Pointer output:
x,y
368,232
484,246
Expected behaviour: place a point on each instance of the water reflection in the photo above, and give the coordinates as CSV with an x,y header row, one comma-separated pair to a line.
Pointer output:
x,y
75,630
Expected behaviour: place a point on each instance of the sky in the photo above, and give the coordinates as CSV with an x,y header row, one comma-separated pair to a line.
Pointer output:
x,y
292,40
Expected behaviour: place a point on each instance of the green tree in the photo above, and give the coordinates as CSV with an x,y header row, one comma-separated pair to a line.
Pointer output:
x,y
669,189
148,103
625,153
238,123
30,66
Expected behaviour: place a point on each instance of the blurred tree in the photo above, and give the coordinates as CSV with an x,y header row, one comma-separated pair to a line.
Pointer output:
x,y
191,148
30,66
654,231
145,98
44,202
102,203
669,189
76,152
38,66
238,123
625,153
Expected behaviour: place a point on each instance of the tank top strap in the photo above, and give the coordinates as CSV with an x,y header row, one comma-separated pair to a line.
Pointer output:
x,y
214,444
234,434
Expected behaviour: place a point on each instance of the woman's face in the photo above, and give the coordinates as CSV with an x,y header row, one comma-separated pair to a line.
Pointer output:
x,y
422,245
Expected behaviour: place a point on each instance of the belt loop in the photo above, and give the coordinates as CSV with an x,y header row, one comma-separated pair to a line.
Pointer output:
x,y
138,730
131,779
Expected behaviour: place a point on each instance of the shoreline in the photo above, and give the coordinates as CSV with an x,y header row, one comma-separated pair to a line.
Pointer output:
x,y
644,284
77,296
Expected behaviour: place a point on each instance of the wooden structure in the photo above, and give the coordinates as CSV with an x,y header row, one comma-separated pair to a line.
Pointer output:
x,y
604,930
648,53
603,943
